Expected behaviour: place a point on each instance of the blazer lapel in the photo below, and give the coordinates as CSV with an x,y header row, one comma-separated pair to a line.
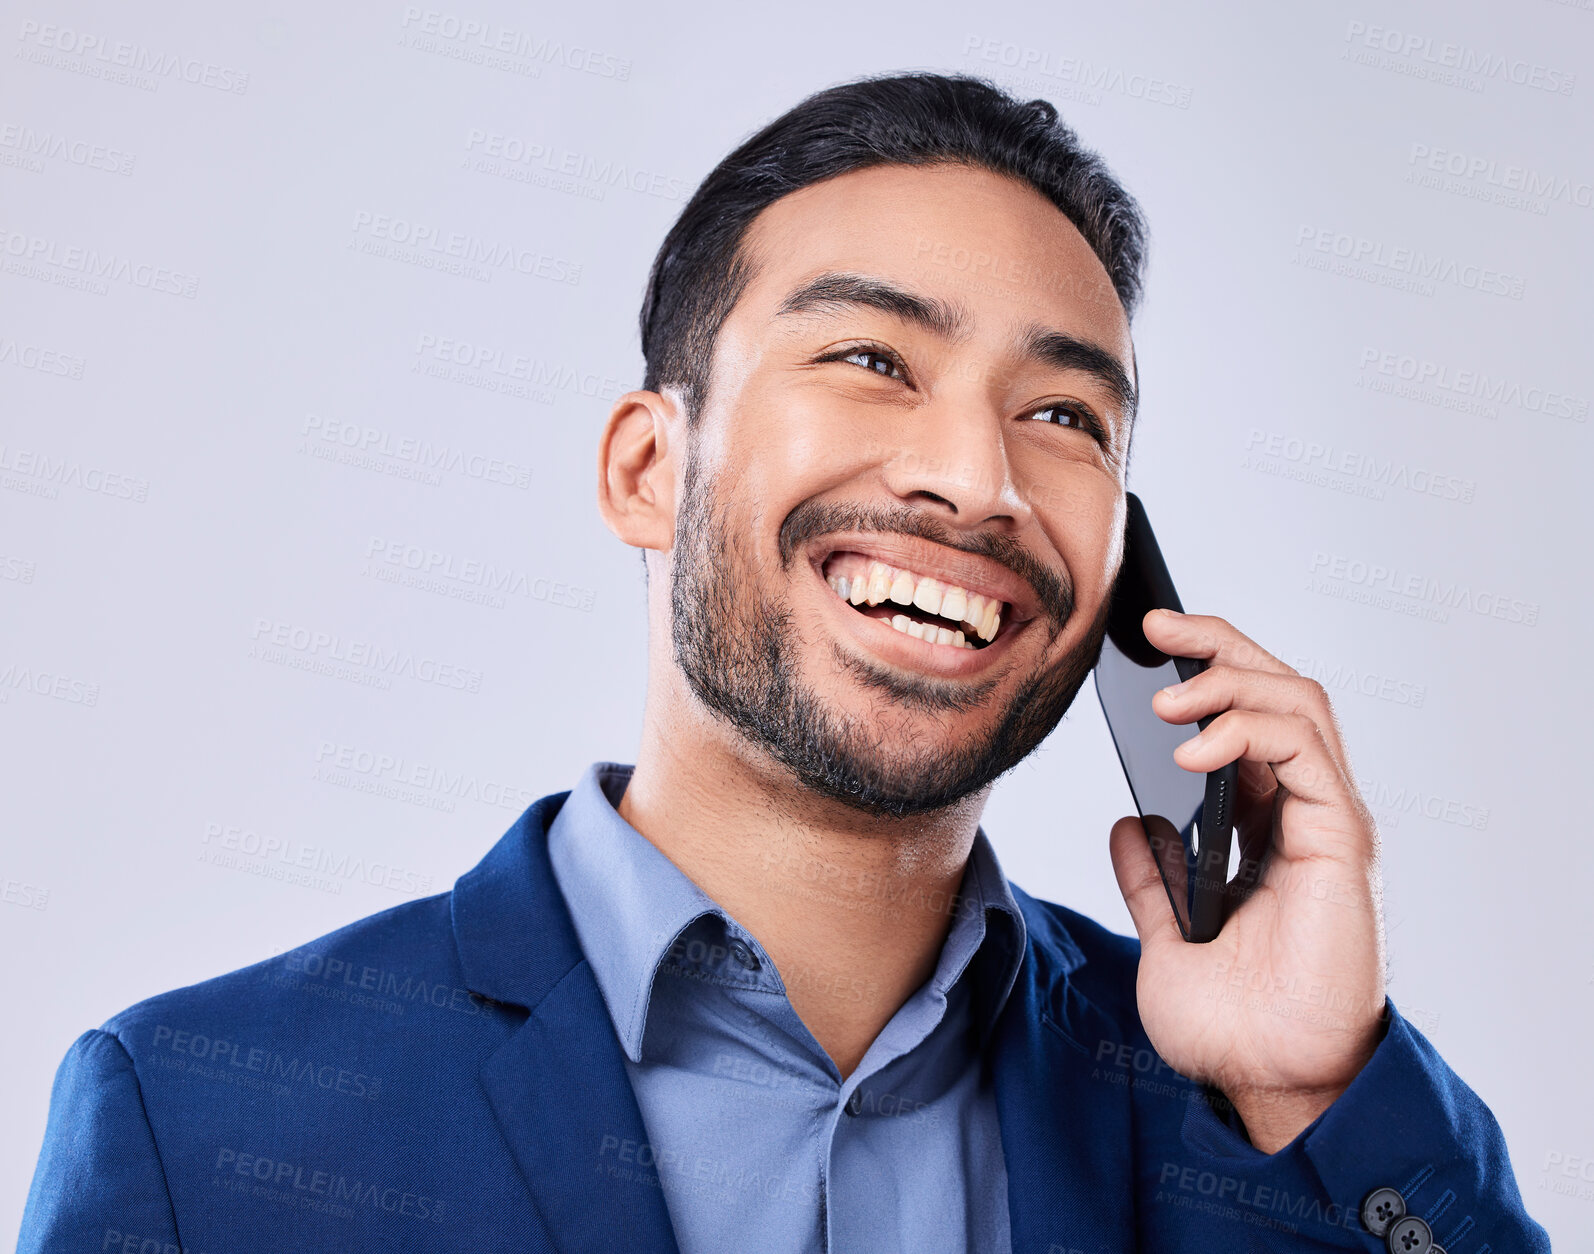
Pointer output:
x,y
558,1086
1067,1126
565,1106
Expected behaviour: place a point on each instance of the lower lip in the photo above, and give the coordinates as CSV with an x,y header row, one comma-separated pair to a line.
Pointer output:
x,y
901,649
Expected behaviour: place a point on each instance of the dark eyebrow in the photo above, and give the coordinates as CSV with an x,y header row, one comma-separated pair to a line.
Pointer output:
x,y
837,289
947,319
1065,352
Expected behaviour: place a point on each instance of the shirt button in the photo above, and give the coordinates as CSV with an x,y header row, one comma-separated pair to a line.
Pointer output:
x,y
743,954
1409,1235
1380,1209
855,1102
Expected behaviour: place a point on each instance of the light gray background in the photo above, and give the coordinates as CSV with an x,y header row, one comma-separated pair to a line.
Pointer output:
x,y
175,492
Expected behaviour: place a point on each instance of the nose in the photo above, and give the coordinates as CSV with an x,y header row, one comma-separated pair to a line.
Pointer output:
x,y
955,461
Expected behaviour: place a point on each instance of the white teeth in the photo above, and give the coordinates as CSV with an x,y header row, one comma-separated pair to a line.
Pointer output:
x,y
993,620
928,632
879,583
970,613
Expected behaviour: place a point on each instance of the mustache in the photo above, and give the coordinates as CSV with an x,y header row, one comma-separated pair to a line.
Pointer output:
x,y
812,519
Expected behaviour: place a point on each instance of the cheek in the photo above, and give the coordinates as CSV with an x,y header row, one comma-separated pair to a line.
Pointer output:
x,y
786,445
1086,528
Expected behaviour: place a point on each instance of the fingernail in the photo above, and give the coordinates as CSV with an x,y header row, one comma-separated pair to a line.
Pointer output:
x,y
1171,613
1174,690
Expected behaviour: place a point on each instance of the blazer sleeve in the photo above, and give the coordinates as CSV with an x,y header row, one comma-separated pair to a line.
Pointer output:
x,y
1407,1123
99,1180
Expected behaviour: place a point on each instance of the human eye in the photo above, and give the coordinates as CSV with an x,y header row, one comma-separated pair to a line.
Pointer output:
x,y
1071,414
873,358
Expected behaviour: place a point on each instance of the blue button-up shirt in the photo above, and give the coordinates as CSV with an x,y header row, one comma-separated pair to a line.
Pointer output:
x,y
756,1141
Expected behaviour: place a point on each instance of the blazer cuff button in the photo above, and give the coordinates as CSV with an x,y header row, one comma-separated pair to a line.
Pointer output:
x,y
1380,1209
1409,1235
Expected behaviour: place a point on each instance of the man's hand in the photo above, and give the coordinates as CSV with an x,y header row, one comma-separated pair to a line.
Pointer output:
x,y
1283,1009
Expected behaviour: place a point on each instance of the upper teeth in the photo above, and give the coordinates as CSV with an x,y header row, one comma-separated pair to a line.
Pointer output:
x,y
877,582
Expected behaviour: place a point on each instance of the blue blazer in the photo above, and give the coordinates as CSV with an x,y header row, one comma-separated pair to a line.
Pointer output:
x,y
444,1076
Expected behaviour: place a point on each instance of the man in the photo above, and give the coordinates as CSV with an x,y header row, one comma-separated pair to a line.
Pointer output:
x,y
769,989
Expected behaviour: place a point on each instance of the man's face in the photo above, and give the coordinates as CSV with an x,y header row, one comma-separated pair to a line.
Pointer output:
x,y
926,389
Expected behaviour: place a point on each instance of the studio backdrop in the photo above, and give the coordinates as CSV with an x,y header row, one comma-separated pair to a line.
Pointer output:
x,y
311,315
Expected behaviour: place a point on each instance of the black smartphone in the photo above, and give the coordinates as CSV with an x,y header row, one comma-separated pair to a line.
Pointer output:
x,y
1188,816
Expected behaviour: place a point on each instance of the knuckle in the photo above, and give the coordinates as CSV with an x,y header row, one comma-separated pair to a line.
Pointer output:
x,y
1255,655
1305,725
1315,692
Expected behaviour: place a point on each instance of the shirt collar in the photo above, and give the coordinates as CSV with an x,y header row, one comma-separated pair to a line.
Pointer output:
x,y
633,910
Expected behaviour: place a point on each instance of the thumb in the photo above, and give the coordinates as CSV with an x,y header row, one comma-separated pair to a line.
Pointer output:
x,y
1141,883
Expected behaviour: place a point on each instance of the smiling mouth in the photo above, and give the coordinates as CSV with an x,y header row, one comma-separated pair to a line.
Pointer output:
x,y
917,605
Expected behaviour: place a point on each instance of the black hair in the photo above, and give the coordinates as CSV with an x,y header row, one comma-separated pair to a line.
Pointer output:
x,y
908,119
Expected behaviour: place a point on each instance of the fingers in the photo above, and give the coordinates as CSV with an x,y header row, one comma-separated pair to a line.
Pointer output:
x,y
1299,753
1266,714
1204,635
1138,880
1222,687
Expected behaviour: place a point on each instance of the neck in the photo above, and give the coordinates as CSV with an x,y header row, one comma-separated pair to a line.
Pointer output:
x,y
853,909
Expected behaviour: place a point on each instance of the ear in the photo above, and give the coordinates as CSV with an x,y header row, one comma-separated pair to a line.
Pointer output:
x,y
637,469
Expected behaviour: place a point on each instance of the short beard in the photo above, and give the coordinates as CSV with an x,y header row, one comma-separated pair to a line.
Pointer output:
x,y
733,646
